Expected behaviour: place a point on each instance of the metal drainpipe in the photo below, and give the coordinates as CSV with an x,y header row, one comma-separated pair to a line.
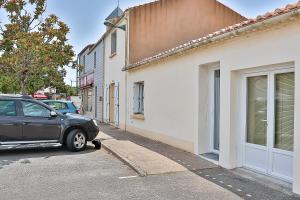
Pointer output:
x,y
126,62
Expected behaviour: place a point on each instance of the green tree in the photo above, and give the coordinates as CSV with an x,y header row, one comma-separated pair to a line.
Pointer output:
x,y
33,48
67,91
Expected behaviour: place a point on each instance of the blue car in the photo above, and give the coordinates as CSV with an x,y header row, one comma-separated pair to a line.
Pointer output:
x,y
63,107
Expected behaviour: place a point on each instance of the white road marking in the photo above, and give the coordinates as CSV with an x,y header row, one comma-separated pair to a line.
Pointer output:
x,y
127,177
248,195
229,186
239,190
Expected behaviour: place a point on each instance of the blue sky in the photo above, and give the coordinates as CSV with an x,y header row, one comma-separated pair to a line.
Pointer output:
x,y
85,17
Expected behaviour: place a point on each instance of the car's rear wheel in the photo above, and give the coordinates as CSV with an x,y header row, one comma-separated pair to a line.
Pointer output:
x,y
76,140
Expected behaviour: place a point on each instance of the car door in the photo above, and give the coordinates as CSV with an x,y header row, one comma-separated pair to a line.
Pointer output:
x,y
38,125
10,122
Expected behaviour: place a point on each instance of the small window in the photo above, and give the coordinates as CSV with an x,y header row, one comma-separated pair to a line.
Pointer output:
x,y
95,59
138,107
114,43
34,110
7,108
84,64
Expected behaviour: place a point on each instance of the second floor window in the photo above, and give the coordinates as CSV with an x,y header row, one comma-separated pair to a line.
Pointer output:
x,y
114,43
83,63
95,59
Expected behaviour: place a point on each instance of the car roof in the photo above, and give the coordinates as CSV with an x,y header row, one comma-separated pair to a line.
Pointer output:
x,y
15,96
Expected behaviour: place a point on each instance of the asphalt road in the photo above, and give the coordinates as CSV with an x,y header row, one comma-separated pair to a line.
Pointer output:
x,y
55,173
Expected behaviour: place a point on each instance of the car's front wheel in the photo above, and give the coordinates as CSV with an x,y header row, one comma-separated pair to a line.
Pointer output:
x,y
76,140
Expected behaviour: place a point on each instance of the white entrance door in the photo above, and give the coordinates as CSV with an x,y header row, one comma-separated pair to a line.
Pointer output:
x,y
216,125
269,127
214,99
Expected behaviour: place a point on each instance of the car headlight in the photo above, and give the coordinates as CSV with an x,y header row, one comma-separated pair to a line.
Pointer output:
x,y
95,122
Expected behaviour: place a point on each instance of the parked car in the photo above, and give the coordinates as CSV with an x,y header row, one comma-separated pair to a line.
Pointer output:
x,y
63,107
24,120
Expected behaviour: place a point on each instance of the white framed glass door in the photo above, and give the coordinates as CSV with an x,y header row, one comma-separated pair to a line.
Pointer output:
x,y
216,134
269,127
214,114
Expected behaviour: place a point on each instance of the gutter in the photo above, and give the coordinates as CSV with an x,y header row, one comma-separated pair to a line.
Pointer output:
x,y
216,37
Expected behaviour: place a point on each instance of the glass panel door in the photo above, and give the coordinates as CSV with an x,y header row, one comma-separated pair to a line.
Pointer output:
x,y
217,111
257,110
284,111
270,123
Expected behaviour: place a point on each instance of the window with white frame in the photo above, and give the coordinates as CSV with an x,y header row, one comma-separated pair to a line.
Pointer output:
x,y
138,102
114,43
95,59
84,64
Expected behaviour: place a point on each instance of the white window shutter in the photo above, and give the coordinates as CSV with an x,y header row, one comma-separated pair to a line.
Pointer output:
x,y
135,98
107,102
142,98
117,104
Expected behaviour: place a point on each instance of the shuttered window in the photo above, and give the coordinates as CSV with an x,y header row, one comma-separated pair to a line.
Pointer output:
x,y
284,110
114,43
138,98
95,59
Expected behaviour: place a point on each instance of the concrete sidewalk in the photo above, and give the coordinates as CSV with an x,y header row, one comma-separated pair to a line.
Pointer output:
x,y
245,185
142,160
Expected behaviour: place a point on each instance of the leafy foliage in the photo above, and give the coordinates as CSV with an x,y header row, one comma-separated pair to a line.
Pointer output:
x,y
33,50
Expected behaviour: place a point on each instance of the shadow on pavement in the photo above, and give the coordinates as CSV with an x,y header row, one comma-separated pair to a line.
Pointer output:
x,y
8,157
243,187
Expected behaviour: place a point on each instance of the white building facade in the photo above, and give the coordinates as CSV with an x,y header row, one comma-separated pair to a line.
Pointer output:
x,y
234,93
115,79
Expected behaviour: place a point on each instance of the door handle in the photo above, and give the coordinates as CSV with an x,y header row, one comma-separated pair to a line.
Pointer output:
x,y
26,123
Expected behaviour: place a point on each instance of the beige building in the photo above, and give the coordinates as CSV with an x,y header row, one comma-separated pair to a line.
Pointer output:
x,y
164,24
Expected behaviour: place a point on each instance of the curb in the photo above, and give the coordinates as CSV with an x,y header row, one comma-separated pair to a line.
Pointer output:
x,y
128,162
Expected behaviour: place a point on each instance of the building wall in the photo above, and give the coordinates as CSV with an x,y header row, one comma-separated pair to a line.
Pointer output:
x,y
164,24
113,70
177,92
98,71
87,68
98,79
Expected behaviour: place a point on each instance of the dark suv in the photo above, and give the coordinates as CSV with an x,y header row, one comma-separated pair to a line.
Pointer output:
x,y
24,120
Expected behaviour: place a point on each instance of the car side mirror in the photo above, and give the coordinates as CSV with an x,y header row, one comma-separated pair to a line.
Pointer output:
x,y
53,114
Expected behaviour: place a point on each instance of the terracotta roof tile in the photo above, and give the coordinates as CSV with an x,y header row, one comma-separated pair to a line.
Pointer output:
x,y
279,11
